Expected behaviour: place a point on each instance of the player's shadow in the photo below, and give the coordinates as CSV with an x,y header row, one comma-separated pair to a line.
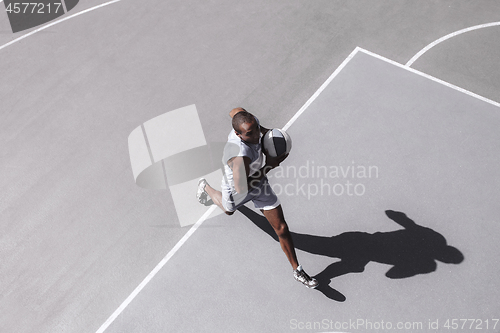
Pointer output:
x,y
411,251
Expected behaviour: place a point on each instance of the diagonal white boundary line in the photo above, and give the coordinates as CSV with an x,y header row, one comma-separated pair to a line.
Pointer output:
x,y
155,271
442,39
170,254
430,77
320,90
57,22
181,242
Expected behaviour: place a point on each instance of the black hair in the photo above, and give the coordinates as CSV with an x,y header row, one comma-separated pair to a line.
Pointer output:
x,y
240,118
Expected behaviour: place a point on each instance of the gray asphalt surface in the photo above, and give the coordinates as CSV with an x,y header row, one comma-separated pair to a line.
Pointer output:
x,y
237,280
77,235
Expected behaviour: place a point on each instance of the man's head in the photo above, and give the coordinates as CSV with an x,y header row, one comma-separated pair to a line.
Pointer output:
x,y
245,126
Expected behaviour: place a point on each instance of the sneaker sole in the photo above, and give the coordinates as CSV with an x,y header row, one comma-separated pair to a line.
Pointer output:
x,y
203,196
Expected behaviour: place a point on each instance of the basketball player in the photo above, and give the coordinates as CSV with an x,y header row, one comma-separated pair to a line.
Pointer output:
x,y
245,180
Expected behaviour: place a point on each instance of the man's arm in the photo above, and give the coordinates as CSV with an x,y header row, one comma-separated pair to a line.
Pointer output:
x,y
241,169
263,130
271,163
235,111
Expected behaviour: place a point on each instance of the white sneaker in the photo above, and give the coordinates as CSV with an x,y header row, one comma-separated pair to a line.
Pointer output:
x,y
201,195
300,275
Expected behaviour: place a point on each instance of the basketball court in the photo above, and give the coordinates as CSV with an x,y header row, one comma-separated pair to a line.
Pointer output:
x,y
393,110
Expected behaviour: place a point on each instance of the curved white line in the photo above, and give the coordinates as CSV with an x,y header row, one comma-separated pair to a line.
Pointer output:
x,y
442,39
57,22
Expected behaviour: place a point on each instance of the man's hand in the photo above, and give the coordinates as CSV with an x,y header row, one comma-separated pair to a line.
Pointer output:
x,y
271,163
264,130
274,162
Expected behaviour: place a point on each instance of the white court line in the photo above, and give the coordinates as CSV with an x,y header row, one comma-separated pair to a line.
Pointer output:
x,y
170,254
323,86
57,22
155,270
442,39
295,117
137,290
430,77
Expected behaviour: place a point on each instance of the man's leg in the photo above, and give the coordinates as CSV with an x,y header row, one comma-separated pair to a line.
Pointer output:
x,y
216,197
277,220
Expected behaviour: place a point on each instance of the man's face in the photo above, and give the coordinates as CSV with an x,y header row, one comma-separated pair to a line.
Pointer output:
x,y
250,132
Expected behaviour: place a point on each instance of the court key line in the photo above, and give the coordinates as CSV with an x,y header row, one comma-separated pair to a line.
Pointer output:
x,y
181,242
321,88
430,77
442,39
171,253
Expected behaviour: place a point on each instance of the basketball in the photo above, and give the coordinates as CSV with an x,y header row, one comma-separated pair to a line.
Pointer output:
x,y
276,142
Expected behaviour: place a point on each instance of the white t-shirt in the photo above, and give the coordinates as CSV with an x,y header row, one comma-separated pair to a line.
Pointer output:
x,y
237,147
